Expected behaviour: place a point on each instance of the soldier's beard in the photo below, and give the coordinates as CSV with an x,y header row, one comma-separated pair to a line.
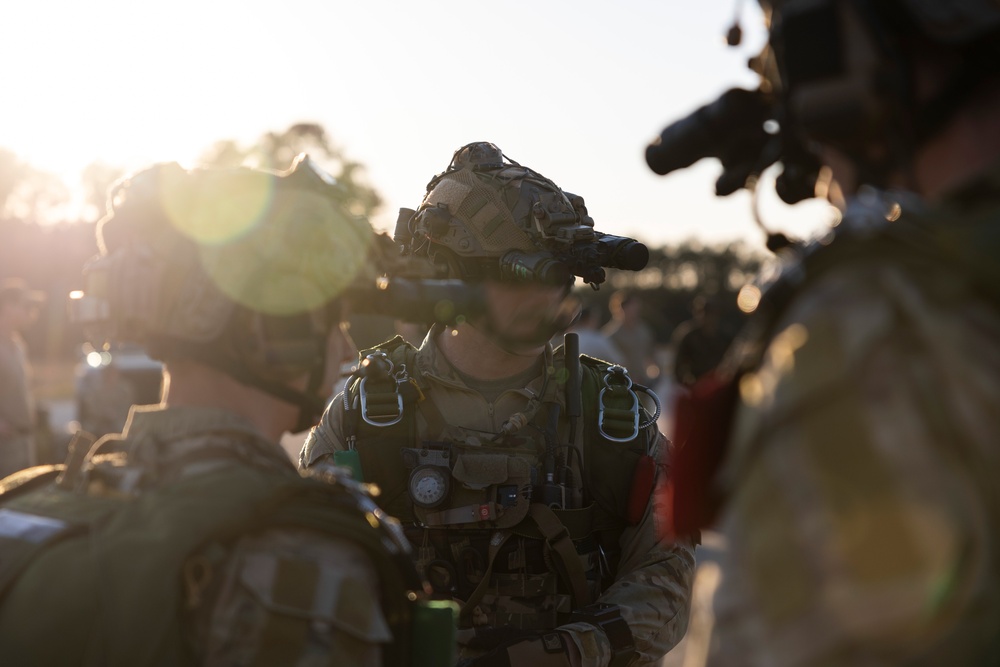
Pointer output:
x,y
524,330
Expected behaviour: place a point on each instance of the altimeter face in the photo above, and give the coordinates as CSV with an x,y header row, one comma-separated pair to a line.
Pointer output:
x,y
429,486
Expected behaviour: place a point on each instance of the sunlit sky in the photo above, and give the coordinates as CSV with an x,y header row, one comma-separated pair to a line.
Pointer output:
x,y
572,88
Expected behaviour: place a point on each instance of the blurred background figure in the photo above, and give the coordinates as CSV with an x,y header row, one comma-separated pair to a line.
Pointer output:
x,y
632,336
593,342
699,343
18,309
104,400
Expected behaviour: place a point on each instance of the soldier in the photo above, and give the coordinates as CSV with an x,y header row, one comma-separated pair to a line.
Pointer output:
x,y
190,538
700,343
632,336
18,309
860,503
537,521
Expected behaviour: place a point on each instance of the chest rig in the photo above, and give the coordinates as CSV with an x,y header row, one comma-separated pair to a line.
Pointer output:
x,y
520,526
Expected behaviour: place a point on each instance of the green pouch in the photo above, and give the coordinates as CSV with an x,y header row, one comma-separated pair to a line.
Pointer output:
x,y
351,460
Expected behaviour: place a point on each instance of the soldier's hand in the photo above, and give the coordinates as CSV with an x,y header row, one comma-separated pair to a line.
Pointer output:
x,y
551,649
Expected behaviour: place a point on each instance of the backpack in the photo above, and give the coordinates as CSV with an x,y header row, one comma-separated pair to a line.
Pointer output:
x,y
107,568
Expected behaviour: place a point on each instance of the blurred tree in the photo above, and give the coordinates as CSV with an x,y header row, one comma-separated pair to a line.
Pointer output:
x,y
96,178
28,193
10,169
691,266
676,274
276,150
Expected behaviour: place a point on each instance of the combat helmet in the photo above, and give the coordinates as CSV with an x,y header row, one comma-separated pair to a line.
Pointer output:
x,y
488,217
240,269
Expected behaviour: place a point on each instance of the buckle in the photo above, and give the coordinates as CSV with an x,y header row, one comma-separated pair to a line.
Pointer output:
x,y
385,419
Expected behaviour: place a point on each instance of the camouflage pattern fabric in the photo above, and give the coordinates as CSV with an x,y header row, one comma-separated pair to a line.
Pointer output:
x,y
654,578
279,596
863,517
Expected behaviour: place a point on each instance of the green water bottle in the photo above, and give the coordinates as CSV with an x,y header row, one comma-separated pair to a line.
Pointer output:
x,y
434,627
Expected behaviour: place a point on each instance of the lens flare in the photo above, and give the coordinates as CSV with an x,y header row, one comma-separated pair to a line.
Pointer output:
x,y
308,252
748,299
236,205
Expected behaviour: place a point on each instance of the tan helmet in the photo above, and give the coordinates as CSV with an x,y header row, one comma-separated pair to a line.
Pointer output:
x,y
488,217
238,268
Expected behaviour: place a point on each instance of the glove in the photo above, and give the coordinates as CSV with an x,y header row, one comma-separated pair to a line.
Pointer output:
x,y
537,650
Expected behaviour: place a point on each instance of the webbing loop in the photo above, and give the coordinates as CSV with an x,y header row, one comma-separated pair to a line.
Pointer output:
x,y
383,408
618,385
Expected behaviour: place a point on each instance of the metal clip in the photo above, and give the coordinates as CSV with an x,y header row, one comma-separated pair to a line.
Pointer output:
x,y
617,374
379,364
379,420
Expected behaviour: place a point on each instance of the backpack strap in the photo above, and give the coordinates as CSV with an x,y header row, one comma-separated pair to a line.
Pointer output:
x,y
558,538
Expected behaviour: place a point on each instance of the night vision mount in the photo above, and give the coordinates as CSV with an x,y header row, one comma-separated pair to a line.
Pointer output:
x,y
488,217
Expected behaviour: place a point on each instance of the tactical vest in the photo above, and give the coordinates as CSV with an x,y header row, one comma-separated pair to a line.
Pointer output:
x,y
488,518
93,575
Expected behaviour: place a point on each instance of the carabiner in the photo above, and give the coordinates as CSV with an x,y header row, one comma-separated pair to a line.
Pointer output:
x,y
622,382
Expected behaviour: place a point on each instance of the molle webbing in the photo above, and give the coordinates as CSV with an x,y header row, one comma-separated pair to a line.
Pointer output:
x,y
564,533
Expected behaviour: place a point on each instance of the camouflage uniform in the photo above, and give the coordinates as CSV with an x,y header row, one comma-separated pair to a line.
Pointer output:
x,y
863,515
320,590
652,584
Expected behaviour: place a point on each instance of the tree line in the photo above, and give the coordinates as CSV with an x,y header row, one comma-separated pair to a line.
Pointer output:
x,y
50,255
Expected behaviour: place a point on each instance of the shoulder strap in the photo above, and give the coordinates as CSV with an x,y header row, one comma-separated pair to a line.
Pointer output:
x,y
611,463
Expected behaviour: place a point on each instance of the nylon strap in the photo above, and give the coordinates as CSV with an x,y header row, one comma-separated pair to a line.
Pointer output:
x,y
557,537
432,415
496,542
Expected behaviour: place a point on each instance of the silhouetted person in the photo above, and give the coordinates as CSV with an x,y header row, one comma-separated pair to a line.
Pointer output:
x,y
593,342
18,309
699,343
630,334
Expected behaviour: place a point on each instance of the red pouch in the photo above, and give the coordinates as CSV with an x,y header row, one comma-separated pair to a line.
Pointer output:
x,y
702,423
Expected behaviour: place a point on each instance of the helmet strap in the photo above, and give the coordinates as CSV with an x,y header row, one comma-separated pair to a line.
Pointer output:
x,y
311,404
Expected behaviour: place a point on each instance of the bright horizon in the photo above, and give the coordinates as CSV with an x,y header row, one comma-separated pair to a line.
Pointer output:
x,y
574,90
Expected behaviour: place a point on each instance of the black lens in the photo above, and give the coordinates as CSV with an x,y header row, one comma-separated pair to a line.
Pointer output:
x,y
621,252
538,267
